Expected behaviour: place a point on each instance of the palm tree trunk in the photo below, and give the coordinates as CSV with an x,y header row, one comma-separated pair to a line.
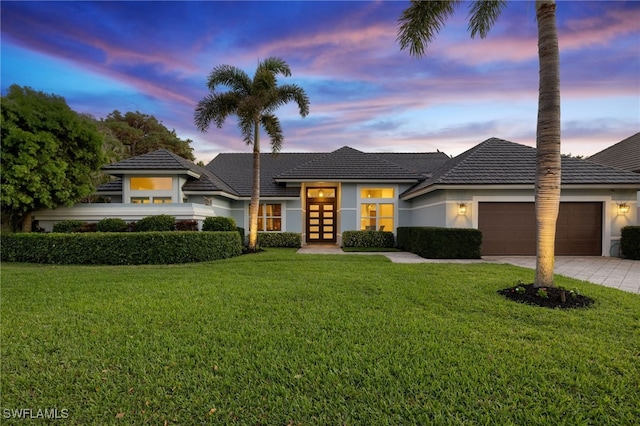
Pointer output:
x,y
547,192
255,193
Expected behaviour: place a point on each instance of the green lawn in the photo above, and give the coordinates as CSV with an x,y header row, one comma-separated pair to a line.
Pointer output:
x,y
279,338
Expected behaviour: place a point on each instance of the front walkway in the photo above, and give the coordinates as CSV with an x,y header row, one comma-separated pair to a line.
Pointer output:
x,y
623,274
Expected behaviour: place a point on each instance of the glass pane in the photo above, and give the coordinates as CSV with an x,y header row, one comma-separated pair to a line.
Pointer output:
x,y
328,214
368,210
161,200
314,228
151,183
140,200
321,192
376,193
273,224
386,224
328,236
314,207
273,210
314,214
260,224
328,221
314,236
328,207
314,221
260,210
327,228
386,210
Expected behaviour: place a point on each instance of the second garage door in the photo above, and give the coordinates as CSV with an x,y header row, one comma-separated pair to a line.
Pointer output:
x,y
510,229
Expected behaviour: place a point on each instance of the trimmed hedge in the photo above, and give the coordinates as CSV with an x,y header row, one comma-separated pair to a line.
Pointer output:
x,y
120,248
630,242
383,239
112,224
441,243
279,239
219,223
68,226
162,222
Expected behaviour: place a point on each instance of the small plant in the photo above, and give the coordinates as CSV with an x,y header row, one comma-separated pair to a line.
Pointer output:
x,y
161,222
219,223
542,292
520,290
112,224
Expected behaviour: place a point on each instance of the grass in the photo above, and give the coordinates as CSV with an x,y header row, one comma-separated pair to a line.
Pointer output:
x,y
281,338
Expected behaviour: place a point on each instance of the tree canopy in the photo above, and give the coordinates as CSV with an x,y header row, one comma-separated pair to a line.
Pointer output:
x,y
48,153
142,133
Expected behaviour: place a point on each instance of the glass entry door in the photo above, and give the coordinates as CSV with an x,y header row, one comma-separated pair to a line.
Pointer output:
x,y
321,215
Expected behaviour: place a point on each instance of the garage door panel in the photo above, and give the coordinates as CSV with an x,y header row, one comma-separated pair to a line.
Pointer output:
x,y
509,228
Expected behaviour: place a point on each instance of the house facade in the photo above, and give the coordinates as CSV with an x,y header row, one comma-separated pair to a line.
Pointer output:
x,y
321,195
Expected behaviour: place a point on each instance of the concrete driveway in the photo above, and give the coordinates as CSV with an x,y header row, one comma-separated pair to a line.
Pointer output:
x,y
623,274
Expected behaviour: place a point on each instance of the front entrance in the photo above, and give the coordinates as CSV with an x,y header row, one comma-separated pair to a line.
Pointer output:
x,y
321,215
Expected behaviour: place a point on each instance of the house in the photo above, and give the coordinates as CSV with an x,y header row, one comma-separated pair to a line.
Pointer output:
x,y
321,195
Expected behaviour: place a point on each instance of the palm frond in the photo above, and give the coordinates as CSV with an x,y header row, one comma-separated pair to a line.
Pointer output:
x,y
272,126
483,14
421,22
291,93
232,77
246,125
215,107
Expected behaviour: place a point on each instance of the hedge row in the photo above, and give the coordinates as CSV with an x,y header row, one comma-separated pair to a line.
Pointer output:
x,y
279,239
630,242
368,239
441,243
120,249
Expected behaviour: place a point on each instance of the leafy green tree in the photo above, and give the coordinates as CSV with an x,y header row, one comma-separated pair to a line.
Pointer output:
x,y
48,154
254,102
143,133
420,23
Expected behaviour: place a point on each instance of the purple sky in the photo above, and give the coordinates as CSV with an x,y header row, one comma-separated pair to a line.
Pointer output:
x,y
154,57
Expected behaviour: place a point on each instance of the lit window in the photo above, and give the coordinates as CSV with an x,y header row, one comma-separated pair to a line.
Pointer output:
x,y
161,200
376,193
139,200
270,217
321,192
158,183
376,217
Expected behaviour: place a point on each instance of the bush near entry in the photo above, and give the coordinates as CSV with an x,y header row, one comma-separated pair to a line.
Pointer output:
x,y
441,243
630,242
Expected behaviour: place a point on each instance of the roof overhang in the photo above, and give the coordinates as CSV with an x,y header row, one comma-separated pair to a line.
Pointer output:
x,y
328,180
154,172
433,188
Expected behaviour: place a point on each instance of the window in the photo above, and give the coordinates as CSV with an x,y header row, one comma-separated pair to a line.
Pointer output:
x,y
270,217
321,192
147,200
158,183
377,213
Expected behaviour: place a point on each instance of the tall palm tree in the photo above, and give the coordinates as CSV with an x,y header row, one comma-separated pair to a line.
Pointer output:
x,y
420,23
254,102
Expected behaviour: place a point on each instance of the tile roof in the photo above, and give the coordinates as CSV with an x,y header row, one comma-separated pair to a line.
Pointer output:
x,y
160,159
349,164
499,162
623,155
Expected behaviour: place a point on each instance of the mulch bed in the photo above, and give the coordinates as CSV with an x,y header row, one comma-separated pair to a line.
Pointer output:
x,y
553,299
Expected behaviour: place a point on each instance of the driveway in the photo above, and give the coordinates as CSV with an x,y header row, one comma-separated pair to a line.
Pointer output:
x,y
623,274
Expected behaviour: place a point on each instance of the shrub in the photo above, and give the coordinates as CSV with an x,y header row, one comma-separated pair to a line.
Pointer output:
x,y
120,248
630,242
441,243
159,223
67,226
187,225
112,224
279,239
383,239
219,223
87,227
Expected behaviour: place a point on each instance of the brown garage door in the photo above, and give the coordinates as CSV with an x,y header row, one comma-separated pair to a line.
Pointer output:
x,y
510,229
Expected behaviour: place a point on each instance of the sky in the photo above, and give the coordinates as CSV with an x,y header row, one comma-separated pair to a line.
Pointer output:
x,y
154,57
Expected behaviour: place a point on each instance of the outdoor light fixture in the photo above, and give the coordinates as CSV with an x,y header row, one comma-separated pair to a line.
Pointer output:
x,y
462,208
623,208
321,193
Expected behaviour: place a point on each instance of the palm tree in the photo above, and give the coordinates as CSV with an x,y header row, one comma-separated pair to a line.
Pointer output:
x,y
254,102
419,24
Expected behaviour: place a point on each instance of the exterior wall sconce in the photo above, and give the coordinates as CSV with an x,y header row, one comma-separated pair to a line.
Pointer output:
x,y
321,193
623,208
462,209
